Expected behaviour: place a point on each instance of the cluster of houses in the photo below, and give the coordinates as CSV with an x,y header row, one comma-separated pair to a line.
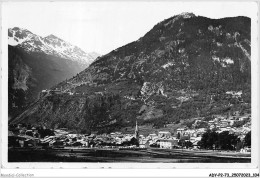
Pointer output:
x,y
222,123
55,92
166,139
163,139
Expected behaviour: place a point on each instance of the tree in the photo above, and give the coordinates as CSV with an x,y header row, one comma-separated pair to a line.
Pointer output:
x,y
239,145
223,140
181,143
45,132
248,139
178,135
208,139
227,141
134,141
189,123
188,144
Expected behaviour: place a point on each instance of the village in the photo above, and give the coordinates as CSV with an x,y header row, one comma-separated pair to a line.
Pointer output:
x,y
24,136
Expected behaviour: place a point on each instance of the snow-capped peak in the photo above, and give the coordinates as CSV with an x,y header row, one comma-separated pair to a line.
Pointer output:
x,y
56,41
51,45
18,35
51,36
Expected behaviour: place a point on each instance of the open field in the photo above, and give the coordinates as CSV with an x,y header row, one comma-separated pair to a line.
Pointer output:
x,y
141,156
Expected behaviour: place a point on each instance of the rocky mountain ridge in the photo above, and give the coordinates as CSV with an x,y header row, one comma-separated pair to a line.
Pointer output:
x,y
51,45
182,68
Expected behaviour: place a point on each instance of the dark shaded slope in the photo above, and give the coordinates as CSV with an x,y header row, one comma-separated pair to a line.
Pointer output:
x,y
31,73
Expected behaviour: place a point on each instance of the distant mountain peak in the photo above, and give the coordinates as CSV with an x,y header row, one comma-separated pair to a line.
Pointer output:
x,y
18,35
20,29
187,15
53,37
172,20
50,45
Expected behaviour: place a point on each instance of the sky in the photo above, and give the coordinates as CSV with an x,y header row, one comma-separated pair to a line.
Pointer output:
x,y
103,26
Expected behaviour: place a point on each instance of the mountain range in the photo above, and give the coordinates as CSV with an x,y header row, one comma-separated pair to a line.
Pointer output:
x,y
37,63
182,68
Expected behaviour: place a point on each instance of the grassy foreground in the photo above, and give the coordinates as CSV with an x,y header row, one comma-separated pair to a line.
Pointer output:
x,y
141,156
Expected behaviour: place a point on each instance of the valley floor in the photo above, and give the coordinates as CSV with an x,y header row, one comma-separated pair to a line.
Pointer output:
x,y
115,155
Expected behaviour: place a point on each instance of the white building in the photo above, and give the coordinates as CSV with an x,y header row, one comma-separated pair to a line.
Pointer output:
x,y
181,131
168,143
165,134
152,136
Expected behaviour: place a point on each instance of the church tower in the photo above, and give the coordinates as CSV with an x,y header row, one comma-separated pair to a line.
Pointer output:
x,y
136,131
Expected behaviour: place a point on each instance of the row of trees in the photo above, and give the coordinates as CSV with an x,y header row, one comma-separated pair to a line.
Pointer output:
x,y
223,141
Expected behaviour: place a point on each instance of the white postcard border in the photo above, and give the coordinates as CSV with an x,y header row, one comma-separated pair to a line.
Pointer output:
x,y
255,115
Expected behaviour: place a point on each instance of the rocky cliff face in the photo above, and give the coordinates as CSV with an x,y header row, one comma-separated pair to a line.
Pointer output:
x,y
181,67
